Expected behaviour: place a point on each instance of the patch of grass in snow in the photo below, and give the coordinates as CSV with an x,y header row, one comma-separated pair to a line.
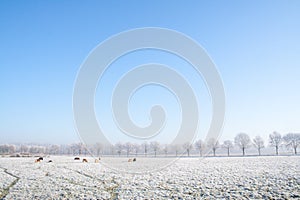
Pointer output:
x,y
5,191
113,190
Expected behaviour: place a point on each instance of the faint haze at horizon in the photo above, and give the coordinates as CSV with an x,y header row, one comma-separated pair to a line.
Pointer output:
x,y
255,46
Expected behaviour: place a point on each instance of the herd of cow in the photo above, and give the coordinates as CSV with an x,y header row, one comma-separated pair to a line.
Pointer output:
x,y
84,160
40,159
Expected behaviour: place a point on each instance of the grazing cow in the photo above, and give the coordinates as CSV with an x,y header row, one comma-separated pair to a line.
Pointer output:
x,y
84,160
76,158
37,161
130,160
96,161
49,161
134,159
41,158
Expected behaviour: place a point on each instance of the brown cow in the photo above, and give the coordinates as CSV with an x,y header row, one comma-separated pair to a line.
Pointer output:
x,y
84,160
37,161
130,160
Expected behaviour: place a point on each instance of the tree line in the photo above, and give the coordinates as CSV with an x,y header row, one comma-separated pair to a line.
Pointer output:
x,y
154,148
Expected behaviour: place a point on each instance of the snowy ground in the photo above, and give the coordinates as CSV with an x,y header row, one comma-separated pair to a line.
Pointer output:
x,y
187,178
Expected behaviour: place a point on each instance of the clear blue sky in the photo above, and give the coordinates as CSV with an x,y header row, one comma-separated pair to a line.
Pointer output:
x,y
255,45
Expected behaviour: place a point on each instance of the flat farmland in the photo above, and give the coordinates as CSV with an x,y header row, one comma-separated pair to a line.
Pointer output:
x,y
151,178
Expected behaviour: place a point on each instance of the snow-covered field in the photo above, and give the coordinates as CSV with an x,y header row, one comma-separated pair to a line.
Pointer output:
x,y
186,178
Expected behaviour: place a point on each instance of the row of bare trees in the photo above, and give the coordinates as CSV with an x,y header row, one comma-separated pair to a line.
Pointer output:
x,y
241,140
42,149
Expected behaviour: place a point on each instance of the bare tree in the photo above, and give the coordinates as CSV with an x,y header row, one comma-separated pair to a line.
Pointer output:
x,y
85,150
24,149
136,148
227,144
128,147
71,150
98,147
275,140
155,146
119,148
36,149
3,149
176,148
32,149
187,147
76,148
12,148
145,147
243,141
62,149
258,143
79,147
112,150
213,143
54,149
166,149
7,149
292,140
67,149
199,145
42,149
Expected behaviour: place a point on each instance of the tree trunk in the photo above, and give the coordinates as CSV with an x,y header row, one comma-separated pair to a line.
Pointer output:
x,y
243,151
200,153
276,150
295,150
228,152
259,151
188,151
214,150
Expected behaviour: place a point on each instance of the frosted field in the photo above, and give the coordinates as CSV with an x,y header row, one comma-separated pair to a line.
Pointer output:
x,y
187,178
